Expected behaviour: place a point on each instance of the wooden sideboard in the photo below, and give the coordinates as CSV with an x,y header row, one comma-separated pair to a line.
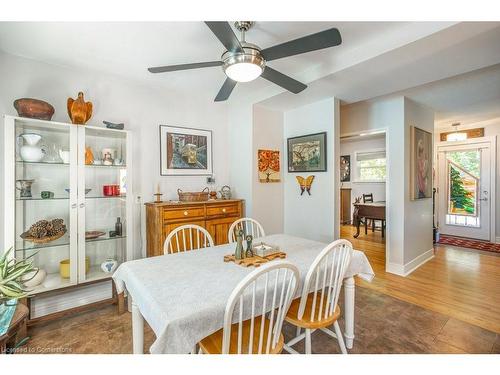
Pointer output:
x,y
216,216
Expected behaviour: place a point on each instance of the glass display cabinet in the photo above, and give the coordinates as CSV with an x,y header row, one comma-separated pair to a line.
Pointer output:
x,y
67,202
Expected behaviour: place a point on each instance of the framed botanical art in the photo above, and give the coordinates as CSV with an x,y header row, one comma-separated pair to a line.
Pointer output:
x,y
421,164
345,168
185,151
307,153
269,165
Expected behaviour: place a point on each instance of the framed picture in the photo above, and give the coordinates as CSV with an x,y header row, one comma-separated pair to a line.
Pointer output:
x,y
185,151
421,164
307,153
345,168
269,165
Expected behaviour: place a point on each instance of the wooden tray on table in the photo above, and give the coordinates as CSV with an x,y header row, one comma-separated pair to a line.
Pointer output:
x,y
254,261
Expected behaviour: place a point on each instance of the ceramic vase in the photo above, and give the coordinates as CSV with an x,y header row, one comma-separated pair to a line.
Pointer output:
x,y
109,265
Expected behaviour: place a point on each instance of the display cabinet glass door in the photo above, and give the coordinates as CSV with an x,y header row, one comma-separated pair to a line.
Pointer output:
x,y
45,214
102,202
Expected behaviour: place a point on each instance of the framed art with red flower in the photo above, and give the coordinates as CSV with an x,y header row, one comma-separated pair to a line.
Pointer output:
x,y
269,165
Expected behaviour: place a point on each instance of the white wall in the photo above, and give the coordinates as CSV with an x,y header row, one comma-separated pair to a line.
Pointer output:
x,y
140,107
313,216
418,213
491,129
268,198
409,223
350,147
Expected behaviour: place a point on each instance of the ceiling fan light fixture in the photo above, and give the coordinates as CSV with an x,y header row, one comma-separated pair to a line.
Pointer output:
x,y
243,72
246,66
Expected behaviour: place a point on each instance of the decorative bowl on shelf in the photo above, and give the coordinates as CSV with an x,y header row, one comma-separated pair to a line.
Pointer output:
x,y
109,265
87,190
44,231
34,108
90,235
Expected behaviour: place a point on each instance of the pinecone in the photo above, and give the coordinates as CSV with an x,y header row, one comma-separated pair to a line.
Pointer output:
x,y
39,229
57,226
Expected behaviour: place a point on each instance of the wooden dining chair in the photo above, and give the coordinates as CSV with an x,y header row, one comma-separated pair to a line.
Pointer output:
x,y
257,306
248,225
317,307
187,237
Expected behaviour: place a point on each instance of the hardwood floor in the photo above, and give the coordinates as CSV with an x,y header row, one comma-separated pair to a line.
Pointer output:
x,y
460,283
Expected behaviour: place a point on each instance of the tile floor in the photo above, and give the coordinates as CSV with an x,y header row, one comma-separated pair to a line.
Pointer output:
x,y
383,325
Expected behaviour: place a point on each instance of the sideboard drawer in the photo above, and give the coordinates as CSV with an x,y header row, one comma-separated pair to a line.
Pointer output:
x,y
232,209
183,213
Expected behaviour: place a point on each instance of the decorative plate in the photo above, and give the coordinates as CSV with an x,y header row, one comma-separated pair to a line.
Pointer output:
x,y
93,234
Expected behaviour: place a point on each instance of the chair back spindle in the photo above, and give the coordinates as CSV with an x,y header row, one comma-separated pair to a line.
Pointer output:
x,y
187,237
268,289
324,280
248,226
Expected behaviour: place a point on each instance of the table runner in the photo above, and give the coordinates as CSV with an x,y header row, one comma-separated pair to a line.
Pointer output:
x,y
182,296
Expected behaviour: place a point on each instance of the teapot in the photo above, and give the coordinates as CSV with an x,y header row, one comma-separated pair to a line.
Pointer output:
x,y
225,192
31,152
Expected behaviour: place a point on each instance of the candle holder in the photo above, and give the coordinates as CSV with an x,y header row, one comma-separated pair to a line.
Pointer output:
x,y
158,197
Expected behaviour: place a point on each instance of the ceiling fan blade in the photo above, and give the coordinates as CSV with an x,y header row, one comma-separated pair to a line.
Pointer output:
x,y
283,80
225,34
225,90
313,42
172,68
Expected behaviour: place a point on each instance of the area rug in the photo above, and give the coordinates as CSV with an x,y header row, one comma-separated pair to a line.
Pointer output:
x,y
469,243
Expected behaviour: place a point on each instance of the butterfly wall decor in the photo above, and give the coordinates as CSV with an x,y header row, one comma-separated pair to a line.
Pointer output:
x,y
305,184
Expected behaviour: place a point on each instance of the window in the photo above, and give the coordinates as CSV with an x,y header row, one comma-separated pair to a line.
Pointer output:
x,y
370,166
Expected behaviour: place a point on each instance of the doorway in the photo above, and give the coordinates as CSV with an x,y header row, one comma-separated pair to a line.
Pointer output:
x,y
466,188
363,172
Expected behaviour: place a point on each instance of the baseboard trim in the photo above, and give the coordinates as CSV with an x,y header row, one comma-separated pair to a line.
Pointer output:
x,y
408,268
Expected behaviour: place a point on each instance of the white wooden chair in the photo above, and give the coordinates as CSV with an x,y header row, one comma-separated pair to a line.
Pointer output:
x,y
263,297
248,225
187,237
317,307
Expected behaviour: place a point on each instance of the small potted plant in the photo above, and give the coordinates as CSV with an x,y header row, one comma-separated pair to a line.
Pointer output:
x,y
11,286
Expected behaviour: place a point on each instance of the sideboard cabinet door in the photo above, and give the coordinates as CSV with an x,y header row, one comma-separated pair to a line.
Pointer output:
x,y
218,229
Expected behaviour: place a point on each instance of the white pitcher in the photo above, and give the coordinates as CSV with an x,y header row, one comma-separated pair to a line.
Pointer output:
x,y
30,151
64,154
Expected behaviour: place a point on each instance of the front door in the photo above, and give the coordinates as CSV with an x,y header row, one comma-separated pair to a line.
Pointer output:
x,y
464,189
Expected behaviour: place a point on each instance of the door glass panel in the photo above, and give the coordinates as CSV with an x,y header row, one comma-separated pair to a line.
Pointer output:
x,y
463,177
105,201
42,213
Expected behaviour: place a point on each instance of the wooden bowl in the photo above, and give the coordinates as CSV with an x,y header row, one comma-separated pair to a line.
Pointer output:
x,y
34,108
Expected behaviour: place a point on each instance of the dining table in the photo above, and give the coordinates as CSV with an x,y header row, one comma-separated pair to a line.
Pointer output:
x,y
183,296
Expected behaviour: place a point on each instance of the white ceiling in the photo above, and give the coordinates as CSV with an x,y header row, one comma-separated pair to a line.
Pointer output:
x,y
375,58
468,98
127,48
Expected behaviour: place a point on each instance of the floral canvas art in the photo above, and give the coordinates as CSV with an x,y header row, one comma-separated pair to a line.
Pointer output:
x,y
269,165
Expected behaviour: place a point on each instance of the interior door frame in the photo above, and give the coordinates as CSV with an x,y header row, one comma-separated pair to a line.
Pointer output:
x,y
492,141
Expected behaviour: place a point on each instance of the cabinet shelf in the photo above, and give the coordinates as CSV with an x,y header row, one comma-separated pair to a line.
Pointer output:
x,y
40,163
105,238
101,166
107,197
22,245
42,199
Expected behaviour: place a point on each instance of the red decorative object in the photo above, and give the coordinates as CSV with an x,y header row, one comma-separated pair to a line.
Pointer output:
x,y
116,189
34,108
108,190
469,243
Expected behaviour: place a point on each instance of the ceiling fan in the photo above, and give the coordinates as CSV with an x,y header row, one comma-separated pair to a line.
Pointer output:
x,y
244,62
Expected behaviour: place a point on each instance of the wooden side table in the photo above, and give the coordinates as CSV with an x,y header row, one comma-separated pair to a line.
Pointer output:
x,y
17,329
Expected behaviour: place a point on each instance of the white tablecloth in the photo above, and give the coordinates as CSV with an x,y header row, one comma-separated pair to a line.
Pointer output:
x,y
183,296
